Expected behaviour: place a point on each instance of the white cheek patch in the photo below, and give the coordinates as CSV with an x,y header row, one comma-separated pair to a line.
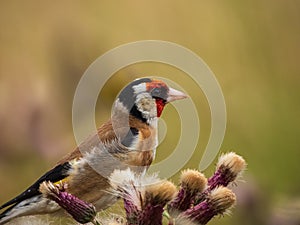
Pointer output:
x,y
146,105
139,88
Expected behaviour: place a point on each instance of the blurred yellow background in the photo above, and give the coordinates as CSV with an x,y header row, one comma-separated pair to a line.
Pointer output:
x,y
251,46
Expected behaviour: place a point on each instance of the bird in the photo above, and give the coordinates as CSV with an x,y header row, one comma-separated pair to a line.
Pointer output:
x,y
127,140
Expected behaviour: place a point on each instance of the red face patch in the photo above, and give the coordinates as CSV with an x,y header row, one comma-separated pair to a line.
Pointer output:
x,y
160,104
155,84
158,90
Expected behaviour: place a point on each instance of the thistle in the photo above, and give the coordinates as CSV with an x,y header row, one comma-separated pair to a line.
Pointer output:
x,y
192,182
229,167
80,210
219,201
199,199
144,197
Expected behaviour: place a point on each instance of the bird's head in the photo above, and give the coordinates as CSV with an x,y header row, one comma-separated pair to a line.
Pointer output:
x,y
146,98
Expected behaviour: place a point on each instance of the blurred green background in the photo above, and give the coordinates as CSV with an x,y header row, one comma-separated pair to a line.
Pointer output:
x,y
251,46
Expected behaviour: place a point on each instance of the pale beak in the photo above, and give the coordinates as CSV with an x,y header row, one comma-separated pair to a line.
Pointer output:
x,y
175,95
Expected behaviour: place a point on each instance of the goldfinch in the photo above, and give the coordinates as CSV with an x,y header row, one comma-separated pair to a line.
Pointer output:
x,y
127,140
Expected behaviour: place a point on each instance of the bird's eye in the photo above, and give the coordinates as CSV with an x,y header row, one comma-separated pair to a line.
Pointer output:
x,y
156,92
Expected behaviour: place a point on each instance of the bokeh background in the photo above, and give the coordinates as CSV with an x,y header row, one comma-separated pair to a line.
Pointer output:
x,y
251,46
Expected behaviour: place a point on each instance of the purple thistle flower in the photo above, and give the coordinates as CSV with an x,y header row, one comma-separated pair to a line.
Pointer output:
x,y
152,199
132,212
192,182
217,202
151,215
229,167
80,210
144,197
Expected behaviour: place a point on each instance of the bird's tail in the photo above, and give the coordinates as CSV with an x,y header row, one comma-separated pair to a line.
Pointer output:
x,y
4,217
10,213
31,206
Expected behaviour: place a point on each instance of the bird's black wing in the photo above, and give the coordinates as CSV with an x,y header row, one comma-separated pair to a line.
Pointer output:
x,y
56,174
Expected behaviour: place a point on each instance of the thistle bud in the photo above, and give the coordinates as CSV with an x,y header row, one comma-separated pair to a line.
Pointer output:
x,y
219,201
229,167
144,197
81,211
155,198
191,183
